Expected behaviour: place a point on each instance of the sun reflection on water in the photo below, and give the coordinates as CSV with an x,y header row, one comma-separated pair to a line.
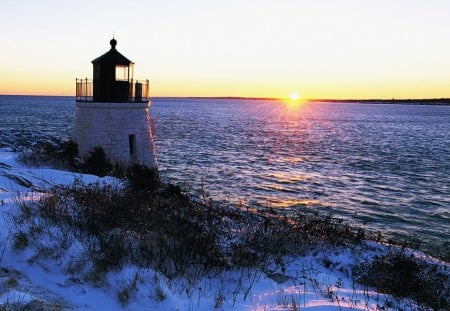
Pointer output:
x,y
287,203
295,103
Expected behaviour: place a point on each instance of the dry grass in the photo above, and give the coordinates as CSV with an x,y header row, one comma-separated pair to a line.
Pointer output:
x,y
164,229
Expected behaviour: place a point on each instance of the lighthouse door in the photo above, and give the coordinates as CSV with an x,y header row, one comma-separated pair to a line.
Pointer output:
x,y
132,145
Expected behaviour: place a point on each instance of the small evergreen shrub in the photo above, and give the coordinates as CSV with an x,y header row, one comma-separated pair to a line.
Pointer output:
x,y
96,163
141,177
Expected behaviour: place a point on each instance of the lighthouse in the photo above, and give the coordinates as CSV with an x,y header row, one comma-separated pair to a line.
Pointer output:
x,y
112,112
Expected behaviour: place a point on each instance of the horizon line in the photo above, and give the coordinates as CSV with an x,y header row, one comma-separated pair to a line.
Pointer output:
x,y
442,99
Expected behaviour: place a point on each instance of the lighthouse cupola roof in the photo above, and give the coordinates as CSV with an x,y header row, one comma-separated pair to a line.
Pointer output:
x,y
112,80
112,56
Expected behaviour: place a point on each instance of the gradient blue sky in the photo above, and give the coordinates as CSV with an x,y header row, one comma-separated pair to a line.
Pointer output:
x,y
320,48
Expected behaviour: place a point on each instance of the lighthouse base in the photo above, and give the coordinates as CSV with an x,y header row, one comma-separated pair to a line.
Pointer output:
x,y
122,130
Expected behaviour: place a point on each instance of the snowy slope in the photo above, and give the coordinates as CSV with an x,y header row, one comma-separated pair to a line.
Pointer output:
x,y
321,280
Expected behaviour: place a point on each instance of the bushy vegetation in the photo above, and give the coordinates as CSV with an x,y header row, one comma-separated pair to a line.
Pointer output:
x,y
403,275
96,163
57,153
64,155
166,230
140,177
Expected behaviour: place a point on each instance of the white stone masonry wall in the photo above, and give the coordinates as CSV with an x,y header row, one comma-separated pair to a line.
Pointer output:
x,y
109,125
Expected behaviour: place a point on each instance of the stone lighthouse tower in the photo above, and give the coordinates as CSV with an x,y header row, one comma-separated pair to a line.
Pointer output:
x,y
112,112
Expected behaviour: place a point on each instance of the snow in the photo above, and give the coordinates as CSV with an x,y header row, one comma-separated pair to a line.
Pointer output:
x,y
318,281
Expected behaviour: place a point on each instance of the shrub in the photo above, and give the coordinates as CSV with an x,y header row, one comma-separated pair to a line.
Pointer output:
x,y
61,154
69,152
119,170
11,283
96,162
128,291
141,177
268,236
405,276
20,241
39,154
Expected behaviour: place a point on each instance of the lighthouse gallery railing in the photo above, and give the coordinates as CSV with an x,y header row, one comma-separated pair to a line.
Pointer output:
x,y
138,90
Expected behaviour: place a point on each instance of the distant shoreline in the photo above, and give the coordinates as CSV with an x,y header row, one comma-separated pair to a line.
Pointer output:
x,y
411,101
426,101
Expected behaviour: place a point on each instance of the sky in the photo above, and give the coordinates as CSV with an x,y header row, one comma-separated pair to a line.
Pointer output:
x,y
251,48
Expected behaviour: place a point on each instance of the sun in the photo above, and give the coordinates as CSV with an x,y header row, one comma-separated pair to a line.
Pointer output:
x,y
294,101
294,96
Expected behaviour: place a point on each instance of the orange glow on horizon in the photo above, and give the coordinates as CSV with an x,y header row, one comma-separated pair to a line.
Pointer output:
x,y
189,89
63,83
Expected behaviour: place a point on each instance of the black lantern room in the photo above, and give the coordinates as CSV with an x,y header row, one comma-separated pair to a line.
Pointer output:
x,y
112,80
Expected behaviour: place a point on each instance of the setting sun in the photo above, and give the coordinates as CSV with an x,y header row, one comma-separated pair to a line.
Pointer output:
x,y
294,101
294,96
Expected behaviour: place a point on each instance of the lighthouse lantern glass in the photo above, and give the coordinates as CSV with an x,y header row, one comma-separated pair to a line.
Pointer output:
x,y
122,73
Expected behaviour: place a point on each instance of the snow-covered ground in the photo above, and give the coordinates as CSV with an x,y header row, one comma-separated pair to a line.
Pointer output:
x,y
321,280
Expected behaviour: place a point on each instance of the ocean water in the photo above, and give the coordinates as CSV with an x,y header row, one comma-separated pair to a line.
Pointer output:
x,y
385,167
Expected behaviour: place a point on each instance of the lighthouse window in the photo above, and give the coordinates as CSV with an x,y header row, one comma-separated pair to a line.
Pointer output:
x,y
121,73
132,145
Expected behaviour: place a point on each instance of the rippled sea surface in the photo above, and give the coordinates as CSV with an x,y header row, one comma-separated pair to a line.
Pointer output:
x,y
384,166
